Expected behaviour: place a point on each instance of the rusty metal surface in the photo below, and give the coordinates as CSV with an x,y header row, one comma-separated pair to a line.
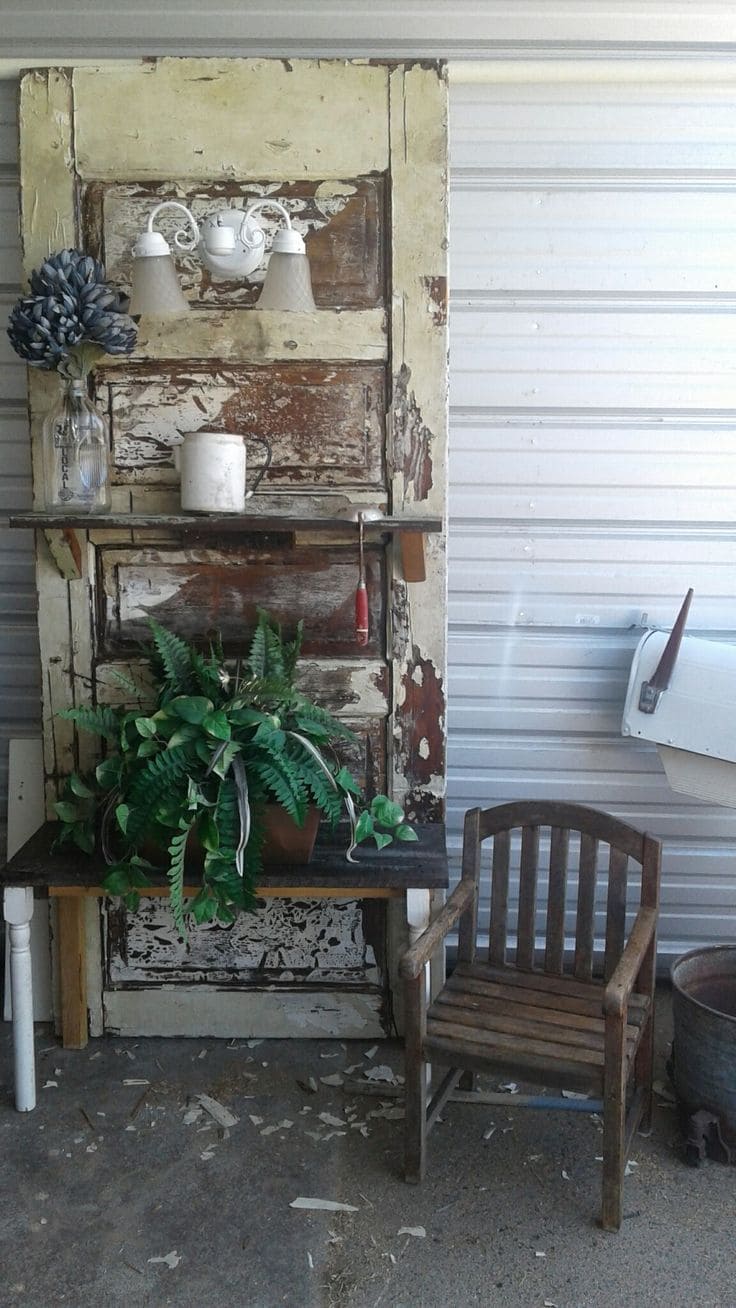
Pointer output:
x,y
704,1013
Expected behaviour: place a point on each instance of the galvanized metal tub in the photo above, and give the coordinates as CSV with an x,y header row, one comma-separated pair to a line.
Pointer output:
x,y
704,1053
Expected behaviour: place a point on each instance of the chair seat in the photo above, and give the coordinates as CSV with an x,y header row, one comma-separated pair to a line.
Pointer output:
x,y
545,1028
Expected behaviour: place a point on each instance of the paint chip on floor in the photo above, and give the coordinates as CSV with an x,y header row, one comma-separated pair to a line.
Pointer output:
x,y
419,1232
322,1205
171,1260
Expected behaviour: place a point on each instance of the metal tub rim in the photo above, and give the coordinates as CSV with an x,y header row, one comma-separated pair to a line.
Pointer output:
x,y
711,952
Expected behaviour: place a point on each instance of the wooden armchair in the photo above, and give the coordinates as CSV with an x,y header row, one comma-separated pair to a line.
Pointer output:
x,y
544,1017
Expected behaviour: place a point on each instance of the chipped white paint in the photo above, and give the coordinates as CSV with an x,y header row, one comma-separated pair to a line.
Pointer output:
x,y
126,209
319,941
242,119
115,116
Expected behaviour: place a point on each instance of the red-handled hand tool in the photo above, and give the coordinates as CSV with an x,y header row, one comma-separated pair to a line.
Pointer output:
x,y
361,594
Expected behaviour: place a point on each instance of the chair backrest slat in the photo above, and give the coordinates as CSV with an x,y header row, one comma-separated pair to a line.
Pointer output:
x,y
563,824
583,966
527,898
616,909
554,955
499,898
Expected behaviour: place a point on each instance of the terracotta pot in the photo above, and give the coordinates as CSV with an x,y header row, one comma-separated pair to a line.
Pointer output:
x,y
285,841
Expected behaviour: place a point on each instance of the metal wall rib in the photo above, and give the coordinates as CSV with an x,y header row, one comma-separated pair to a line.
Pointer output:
x,y
593,444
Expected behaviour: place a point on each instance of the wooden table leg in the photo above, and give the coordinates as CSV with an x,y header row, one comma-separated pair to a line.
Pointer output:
x,y
18,908
72,971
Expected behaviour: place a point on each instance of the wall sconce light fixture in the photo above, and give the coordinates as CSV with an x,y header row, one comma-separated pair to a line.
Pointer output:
x,y
231,244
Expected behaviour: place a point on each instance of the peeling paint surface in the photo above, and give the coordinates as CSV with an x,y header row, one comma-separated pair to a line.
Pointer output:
x,y
304,941
414,438
341,221
354,401
324,422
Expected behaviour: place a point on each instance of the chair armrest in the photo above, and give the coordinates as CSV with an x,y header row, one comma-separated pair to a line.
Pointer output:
x,y
420,953
621,983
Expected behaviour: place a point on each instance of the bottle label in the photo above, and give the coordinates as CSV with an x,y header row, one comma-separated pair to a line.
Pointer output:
x,y
63,436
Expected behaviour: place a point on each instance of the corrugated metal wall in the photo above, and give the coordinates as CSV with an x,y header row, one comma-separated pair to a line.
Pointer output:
x,y
20,712
593,441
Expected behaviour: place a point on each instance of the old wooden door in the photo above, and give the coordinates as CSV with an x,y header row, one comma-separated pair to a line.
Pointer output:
x,y
353,399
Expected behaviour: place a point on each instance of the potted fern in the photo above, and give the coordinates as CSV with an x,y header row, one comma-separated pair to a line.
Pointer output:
x,y
193,782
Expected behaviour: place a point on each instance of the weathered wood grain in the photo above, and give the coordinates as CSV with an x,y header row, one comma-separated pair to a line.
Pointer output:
x,y
342,223
240,336
417,439
325,423
223,118
197,591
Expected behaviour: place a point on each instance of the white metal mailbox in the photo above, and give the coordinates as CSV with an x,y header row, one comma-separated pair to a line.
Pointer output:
x,y
682,696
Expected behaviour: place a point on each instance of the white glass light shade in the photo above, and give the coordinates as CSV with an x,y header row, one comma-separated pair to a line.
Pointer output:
x,y
156,286
288,284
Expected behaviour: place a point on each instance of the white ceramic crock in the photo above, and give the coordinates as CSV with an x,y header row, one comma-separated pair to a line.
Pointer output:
x,y
213,468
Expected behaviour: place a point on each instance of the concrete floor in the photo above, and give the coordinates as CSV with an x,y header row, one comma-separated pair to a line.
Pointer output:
x,y
111,1195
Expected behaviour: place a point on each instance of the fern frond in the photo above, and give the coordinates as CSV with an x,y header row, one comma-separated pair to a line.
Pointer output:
x,y
324,719
257,651
274,651
207,676
282,786
226,817
291,653
175,658
154,783
102,720
175,876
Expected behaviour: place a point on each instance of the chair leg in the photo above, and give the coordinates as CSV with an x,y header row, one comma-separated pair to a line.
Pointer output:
x,y
644,1072
415,1089
614,1127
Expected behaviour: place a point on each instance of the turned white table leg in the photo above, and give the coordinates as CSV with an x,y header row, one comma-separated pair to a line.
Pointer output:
x,y
18,907
418,912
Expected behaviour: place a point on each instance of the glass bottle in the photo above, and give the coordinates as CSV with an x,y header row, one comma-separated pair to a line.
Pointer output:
x,y
76,454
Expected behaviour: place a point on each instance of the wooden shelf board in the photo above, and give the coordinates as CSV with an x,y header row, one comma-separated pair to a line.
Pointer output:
x,y
402,866
208,524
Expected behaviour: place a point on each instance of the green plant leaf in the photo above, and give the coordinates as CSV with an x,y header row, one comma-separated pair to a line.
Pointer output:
x,y
386,812
83,837
183,735
146,727
108,772
222,766
347,781
132,900
404,832
217,725
382,839
191,708
147,749
67,811
363,827
122,813
208,832
80,787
